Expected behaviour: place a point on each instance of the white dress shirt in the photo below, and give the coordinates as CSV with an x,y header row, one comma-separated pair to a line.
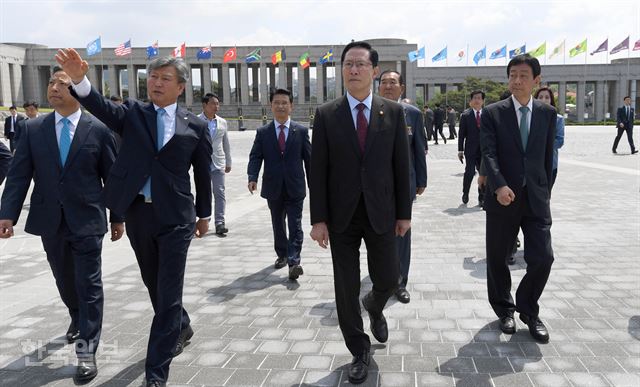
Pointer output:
x,y
74,118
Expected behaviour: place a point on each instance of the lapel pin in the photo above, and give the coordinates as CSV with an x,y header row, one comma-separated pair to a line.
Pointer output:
x,y
381,113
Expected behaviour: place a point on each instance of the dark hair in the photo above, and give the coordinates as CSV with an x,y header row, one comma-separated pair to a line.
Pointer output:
x,y
546,88
208,96
115,98
437,105
525,59
401,78
13,107
477,92
626,97
30,103
425,107
373,54
505,94
55,69
282,92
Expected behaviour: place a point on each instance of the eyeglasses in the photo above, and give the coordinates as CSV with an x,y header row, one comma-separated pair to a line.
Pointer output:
x,y
359,64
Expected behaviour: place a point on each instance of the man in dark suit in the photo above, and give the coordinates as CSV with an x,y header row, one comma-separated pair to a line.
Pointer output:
x,y
451,121
31,110
428,122
469,144
624,118
11,126
392,87
284,147
150,184
516,137
438,122
5,161
360,190
68,155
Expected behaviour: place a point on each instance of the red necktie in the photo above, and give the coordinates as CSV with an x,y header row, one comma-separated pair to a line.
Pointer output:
x,y
362,126
478,119
281,139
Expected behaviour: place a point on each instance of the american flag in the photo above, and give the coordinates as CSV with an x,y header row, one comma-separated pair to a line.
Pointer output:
x,y
123,49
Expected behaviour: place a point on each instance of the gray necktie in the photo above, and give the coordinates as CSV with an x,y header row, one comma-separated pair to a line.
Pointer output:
x,y
524,130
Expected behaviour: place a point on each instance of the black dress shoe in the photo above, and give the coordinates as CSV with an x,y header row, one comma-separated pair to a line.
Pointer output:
x,y
403,295
295,271
507,324
445,140
536,328
87,370
185,335
465,198
221,229
281,262
633,152
73,333
155,383
359,368
378,324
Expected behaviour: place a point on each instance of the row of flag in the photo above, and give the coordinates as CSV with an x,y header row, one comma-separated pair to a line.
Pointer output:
x,y
538,52
95,47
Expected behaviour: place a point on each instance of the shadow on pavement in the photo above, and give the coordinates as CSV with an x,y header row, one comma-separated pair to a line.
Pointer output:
x,y
260,280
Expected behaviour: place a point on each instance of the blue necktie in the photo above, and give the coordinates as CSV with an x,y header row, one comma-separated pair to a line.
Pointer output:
x,y
146,189
524,130
65,140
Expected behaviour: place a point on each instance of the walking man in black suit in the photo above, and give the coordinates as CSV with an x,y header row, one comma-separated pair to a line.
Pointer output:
x,y
11,127
516,137
151,185
392,87
624,118
68,155
360,190
428,122
284,147
469,144
438,122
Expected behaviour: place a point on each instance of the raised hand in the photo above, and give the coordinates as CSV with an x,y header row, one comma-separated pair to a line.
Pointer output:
x,y
72,64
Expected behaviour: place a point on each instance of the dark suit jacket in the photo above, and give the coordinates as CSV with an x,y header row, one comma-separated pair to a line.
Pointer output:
x,y
169,167
7,126
622,117
5,161
469,134
438,117
507,163
281,170
340,174
417,145
428,118
77,187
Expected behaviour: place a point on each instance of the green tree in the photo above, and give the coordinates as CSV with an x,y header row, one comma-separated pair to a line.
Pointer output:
x,y
459,99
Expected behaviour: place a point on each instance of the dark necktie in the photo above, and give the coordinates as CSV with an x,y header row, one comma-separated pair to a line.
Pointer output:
x,y
281,139
478,119
362,126
524,128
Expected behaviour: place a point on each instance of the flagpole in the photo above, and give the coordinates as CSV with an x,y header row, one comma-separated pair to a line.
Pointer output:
x,y
467,54
607,50
545,52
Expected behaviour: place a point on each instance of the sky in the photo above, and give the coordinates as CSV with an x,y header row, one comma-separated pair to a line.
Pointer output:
x,y
455,24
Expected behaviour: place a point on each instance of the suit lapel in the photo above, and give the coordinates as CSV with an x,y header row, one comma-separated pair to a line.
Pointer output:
x,y
49,126
536,127
79,137
182,124
150,116
272,137
290,137
376,117
345,120
512,122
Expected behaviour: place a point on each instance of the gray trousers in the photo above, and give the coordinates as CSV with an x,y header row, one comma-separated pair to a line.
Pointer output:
x,y
217,183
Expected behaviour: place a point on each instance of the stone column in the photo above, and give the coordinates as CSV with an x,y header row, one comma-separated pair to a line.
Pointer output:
x,y
301,81
321,73
581,89
5,85
244,84
18,94
431,92
282,77
225,85
599,102
113,80
410,87
338,80
93,77
188,89
264,86
133,81
206,77
562,97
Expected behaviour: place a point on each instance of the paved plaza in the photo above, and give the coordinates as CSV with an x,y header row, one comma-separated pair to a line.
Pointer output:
x,y
254,327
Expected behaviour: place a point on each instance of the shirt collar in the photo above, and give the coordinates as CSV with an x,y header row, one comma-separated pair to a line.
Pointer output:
x,y
169,109
517,104
354,102
73,117
287,123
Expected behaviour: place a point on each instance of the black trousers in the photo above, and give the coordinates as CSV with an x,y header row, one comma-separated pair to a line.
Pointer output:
x,y
383,270
452,132
501,233
403,247
439,129
629,138
12,141
472,164
161,252
76,264
286,210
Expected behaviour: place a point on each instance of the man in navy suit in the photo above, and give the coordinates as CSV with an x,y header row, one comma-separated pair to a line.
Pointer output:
x,y
516,137
151,185
392,87
68,155
5,161
624,118
360,191
11,127
284,147
469,143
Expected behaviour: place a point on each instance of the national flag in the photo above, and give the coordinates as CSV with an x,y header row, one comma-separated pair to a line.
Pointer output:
x,y
304,60
230,55
461,55
624,45
518,51
499,53
482,54
180,51
417,54
94,47
327,57
254,56
636,46
441,55
603,47
152,50
123,49
557,50
278,57
579,48
540,51
204,53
